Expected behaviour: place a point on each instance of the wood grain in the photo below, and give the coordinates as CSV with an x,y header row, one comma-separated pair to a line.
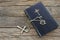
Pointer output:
x,y
13,11
30,38
12,21
29,2
17,11
21,21
7,32
12,14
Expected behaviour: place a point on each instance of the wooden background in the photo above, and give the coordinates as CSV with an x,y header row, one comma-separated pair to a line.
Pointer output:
x,y
12,14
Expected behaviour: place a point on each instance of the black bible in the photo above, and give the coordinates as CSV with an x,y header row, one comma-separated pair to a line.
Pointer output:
x,y
41,19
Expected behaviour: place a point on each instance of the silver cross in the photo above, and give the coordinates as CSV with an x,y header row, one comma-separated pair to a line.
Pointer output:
x,y
23,29
37,11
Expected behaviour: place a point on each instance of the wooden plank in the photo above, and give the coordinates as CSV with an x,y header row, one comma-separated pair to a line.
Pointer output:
x,y
58,21
12,21
30,38
57,2
50,38
6,32
29,2
50,2
17,2
15,11
56,11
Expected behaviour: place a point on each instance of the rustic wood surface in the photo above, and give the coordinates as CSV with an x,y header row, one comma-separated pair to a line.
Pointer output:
x,y
12,14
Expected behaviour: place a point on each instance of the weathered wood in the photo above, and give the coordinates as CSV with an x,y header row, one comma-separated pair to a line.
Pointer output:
x,y
11,32
30,38
12,14
56,11
50,38
12,11
14,21
50,2
15,11
29,2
